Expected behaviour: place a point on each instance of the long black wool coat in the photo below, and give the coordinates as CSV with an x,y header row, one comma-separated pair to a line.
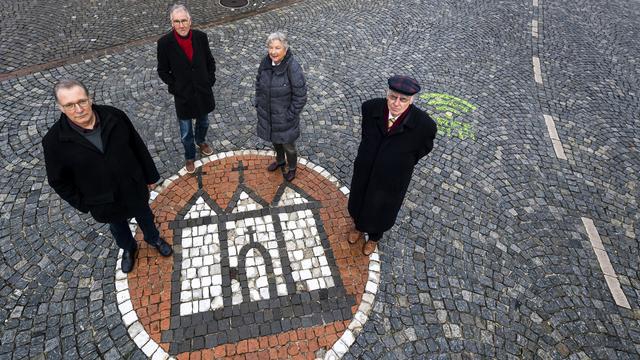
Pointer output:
x,y
190,83
281,93
384,164
111,185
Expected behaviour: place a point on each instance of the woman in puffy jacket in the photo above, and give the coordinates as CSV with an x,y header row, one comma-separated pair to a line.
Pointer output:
x,y
281,93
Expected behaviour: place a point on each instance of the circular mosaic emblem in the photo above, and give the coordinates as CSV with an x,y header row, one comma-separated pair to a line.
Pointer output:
x,y
261,267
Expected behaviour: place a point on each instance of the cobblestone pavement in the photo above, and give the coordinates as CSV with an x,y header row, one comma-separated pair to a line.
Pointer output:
x,y
492,256
40,32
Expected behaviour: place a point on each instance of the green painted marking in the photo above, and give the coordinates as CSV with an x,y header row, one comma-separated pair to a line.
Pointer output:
x,y
445,108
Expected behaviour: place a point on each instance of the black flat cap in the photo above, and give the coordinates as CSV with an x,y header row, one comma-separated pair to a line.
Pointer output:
x,y
404,85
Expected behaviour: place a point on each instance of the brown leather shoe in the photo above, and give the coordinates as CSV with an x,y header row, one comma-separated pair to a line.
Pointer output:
x,y
274,166
353,238
190,165
205,149
369,247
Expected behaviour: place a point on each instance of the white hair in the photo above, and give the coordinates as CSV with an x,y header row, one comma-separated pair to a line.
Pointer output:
x,y
177,7
280,36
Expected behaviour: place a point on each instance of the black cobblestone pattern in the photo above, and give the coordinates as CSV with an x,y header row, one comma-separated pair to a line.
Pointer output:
x,y
36,32
488,259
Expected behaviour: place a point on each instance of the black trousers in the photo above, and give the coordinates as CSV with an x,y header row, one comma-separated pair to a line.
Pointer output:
x,y
290,151
122,234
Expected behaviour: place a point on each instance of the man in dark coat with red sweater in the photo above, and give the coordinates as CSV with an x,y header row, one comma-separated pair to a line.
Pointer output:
x,y
395,135
97,162
186,65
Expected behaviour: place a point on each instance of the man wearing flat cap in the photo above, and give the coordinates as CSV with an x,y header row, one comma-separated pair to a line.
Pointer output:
x,y
395,135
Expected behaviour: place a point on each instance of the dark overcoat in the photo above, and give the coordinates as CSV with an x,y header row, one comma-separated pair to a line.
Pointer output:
x,y
189,82
281,93
384,164
111,185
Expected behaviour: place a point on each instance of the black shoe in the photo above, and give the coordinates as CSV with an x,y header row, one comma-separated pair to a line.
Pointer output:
x,y
128,260
163,248
274,166
290,175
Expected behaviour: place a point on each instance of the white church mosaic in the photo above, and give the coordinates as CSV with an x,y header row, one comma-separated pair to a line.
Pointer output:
x,y
256,265
201,273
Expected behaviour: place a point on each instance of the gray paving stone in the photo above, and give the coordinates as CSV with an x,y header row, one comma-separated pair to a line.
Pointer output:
x,y
488,258
84,27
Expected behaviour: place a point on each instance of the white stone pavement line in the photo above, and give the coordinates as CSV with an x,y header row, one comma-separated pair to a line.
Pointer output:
x,y
603,259
135,329
362,314
555,139
537,73
155,352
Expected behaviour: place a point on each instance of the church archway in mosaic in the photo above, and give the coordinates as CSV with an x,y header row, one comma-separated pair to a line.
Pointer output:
x,y
260,265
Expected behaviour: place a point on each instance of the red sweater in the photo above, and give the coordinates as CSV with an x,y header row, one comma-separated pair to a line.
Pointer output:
x,y
185,44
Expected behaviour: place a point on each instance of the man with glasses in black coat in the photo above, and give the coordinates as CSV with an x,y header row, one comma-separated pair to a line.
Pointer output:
x,y
395,135
97,162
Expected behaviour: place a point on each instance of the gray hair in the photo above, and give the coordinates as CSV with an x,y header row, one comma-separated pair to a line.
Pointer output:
x,y
280,36
68,84
177,7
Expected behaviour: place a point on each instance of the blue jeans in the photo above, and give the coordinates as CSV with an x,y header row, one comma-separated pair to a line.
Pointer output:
x,y
122,234
186,134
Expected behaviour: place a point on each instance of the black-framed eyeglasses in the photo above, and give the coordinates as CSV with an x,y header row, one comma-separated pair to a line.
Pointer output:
x,y
82,103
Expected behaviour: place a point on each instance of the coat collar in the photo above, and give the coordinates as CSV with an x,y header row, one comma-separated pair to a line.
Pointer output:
x,y
408,122
280,68
68,134
175,47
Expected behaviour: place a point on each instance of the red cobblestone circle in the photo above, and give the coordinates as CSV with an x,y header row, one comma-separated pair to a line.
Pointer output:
x,y
261,267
